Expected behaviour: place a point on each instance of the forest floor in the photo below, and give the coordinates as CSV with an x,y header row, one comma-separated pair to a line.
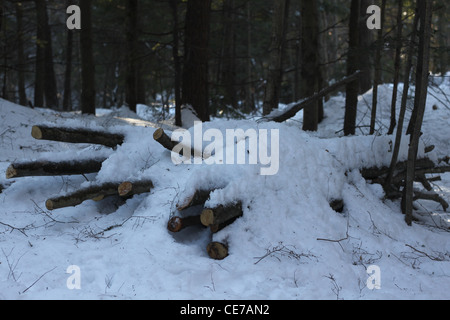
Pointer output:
x,y
289,244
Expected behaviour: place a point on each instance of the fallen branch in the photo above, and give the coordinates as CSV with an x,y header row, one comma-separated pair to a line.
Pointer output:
x,y
77,135
431,196
96,193
294,108
164,140
49,168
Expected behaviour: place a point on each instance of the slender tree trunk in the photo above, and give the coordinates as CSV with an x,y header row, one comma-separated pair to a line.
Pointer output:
x,y
249,88
195,73
425,8
398,51
67,99
401,117
273,86
50,89
366,50
39,79
377,77
176,61
87,60
352,90
229,58
131,35
20,56
310,66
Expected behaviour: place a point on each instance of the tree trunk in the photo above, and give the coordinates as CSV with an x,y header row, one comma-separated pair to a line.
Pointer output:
x,y
310,66
377,77
397,62
20,56
87,60
131,53
196,56
279,27
425,8
353,61
67,100
50,90
39,80
401,117
366,49
177,64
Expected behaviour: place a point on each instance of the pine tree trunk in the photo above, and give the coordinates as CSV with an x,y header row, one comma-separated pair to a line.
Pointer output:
x,y
87,60
377,77
397,62
352,90
131,53
195,73
39,79
310,66
176,61
273,86
20,56
67,100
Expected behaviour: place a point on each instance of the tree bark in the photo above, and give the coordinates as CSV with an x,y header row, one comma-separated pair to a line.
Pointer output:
x,y
131,53
310,65
397,62
177,63
198,198
425,8
67,99
20,56
273,85
398,135
77,135
87,60
195,72
353,61
48,168
377,77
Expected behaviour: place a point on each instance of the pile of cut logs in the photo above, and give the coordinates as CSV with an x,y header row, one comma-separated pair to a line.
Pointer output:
x,y
215,218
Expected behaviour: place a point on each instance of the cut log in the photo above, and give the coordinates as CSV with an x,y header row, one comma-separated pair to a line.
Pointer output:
x,y
48,168
176,224
95,192
128,188
221,214
164,140
214,228
77,135
293,109
217,250
199,197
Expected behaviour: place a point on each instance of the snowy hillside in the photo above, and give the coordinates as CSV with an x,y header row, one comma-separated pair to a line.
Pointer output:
x,y
289,244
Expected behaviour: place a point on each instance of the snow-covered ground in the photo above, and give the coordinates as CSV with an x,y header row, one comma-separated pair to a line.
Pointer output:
x,y
289,244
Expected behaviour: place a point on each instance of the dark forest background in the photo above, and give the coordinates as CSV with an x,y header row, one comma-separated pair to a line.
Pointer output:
x,y
225,57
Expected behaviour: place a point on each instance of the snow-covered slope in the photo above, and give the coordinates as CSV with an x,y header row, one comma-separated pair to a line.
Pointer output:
x,y
288,245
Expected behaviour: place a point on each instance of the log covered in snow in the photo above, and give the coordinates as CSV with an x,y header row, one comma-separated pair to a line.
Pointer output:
x,y
221,214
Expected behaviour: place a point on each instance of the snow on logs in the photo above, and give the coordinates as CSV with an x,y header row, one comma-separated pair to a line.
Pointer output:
x,y
77,135
99,191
